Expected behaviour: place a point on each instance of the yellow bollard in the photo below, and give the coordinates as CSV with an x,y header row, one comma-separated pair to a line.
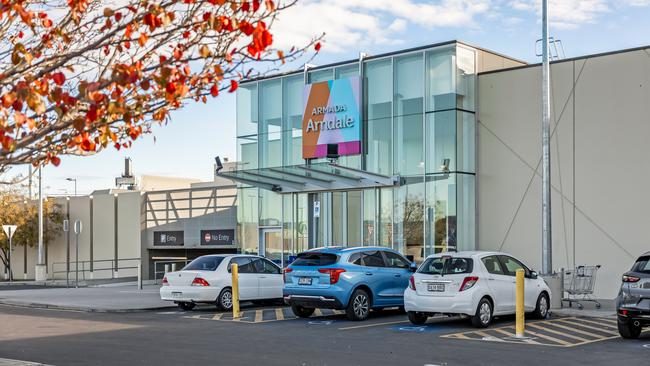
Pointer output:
x,y
519,304
234,268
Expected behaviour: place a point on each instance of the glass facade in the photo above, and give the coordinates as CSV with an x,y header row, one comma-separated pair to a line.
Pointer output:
x,y
418,124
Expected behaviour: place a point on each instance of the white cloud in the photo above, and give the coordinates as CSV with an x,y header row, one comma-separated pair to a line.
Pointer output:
x,y
569,14
359,23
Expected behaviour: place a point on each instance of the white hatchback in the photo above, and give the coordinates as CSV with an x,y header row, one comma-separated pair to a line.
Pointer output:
x,y
478,284
208,279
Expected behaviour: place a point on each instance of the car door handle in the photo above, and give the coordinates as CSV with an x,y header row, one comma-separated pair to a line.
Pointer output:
x,y
398,275
262,276
490,279
368,273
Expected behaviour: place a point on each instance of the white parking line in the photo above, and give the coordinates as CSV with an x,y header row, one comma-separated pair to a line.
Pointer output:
x,y
374,325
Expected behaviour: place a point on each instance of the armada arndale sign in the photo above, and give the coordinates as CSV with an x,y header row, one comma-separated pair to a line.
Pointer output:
x,y
332,115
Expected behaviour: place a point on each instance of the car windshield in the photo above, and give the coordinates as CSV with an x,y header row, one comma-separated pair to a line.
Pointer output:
x,y
315,259
204,264
642,265
446,265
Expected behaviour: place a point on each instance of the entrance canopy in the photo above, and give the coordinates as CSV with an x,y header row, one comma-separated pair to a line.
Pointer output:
x,y
308,178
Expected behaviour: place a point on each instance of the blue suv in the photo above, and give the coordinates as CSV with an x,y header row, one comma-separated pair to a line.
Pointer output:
x,y
350,279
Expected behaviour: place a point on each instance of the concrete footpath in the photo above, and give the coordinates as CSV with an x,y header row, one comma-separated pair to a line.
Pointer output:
x,y
126,298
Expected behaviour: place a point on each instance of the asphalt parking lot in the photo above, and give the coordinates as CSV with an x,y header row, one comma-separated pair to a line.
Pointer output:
x,y
272,336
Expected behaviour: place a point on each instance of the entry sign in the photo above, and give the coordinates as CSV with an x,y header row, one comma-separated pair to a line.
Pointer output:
x,y
10,230
316,208
78,226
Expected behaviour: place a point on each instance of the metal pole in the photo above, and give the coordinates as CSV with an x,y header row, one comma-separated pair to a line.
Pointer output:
x,y
547,248
41,251
11,276
76,257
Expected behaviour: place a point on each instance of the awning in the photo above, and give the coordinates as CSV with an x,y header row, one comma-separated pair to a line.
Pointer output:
x,y
317,177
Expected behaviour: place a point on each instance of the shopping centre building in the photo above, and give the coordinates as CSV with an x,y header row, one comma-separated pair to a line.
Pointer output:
x,y
438,148
424,150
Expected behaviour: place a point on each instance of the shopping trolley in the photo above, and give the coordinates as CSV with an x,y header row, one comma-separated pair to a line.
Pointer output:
x,y
579,284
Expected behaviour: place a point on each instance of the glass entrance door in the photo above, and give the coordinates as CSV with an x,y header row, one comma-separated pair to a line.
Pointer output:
x,y
271,244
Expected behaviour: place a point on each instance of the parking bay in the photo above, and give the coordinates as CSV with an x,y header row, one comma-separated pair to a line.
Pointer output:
x,y
555,332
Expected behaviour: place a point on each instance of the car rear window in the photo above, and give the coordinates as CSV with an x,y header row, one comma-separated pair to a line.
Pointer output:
x,y
315,259
204,264
446,266
642,265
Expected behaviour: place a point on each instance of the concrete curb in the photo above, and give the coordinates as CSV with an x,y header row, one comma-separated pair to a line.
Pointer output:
x,y
81,308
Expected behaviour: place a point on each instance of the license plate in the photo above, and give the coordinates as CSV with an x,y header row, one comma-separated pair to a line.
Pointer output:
x,y
304,281
436,287
177,294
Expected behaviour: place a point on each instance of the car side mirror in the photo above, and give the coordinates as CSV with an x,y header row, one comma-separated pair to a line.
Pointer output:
x,y
413,267
533,275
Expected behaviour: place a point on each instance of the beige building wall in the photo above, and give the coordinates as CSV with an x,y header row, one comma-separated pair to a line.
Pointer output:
x,y
600,168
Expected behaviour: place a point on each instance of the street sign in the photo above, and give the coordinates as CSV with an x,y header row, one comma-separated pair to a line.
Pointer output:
x,y
66,226
9,230
316,208
77,226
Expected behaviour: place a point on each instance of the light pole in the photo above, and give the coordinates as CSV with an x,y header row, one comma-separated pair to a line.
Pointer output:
x,y
41,267
547,247
75,184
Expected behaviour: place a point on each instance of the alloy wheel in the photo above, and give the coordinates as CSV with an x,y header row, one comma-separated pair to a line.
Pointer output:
x,y
226,299
485,312
543,306
360,306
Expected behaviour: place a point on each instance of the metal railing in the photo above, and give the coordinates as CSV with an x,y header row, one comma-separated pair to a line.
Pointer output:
x,y
85,267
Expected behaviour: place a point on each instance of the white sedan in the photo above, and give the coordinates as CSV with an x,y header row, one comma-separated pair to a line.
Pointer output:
x,y
478,284
208,279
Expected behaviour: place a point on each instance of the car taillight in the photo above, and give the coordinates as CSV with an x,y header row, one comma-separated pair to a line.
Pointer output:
x,y
333,272
622,312
468,283
627,278
198,281
284,274
412,283
165,282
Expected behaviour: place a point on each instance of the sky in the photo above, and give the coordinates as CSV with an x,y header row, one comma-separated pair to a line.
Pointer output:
x,y
187,145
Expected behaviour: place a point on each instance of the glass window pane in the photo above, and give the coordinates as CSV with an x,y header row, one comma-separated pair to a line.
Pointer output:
x,y
270,138
466,208
466,78
247,151
292,89
247,215
302,235
373,259
288,229
379,89
270,150
339,219
408,139
270,208
347,71
409,218
369,205
441,142
385,224
247,110
441,229
408,84
378,141
466,152
441,66
320,75
396,260
354,218
292,147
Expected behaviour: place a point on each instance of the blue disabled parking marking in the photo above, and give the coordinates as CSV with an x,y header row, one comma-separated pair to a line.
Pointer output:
x,y
417,328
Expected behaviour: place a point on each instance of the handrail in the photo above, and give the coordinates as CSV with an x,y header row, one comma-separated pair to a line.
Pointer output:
x,y
83,269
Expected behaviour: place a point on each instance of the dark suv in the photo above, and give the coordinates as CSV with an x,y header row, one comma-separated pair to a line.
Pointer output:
x,y
633,301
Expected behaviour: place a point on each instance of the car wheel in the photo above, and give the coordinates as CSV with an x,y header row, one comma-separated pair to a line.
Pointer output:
x,y
186,306
628,330
224,301
359,305
483,316
417,318
541,309
302,312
